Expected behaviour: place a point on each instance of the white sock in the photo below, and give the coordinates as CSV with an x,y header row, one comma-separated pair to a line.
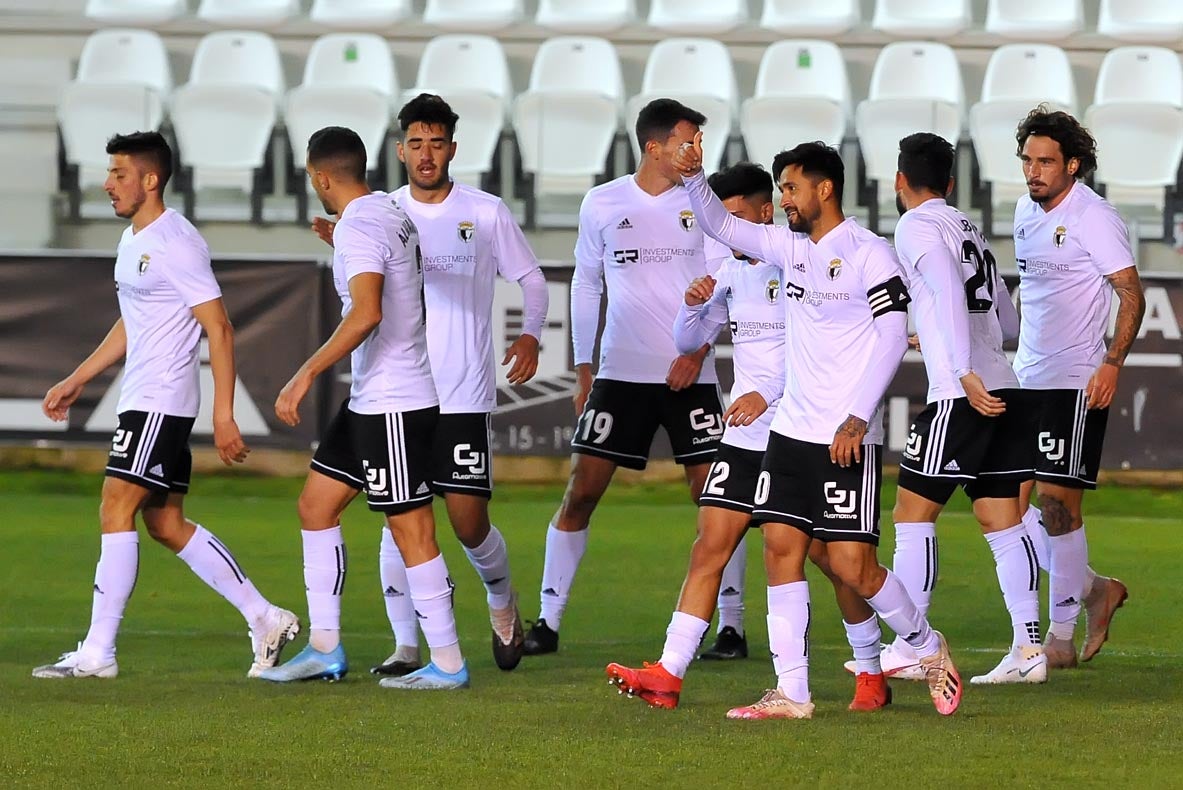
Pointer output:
x,y
114,579
682,638
564,550
1038,535
324,580
916,563
431,591
788,638
209,558
730,601
1018,576
895,608
491,560
1070,559
864,641
396,592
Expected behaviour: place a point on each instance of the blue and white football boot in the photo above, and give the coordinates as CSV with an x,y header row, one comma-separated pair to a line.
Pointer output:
x,y
430,678
310,664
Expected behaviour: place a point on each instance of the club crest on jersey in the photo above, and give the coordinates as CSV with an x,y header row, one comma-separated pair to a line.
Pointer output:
x,y
1060,235
466,230
772,290
686,220
835,269
145,259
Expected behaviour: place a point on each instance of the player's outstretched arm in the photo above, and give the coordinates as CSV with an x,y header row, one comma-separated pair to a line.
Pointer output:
x,y
216,325
62,395
1131,307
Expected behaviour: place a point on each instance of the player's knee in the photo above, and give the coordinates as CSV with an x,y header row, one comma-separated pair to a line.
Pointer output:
x,y
313,514
865,578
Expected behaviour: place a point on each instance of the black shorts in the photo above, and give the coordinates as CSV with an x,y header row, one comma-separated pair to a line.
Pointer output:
x,y
731,480
621,418
461,463
151,450
952,444
1064,438
800,486
386,455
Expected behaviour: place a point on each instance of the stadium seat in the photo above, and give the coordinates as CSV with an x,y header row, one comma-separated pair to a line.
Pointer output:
x,y
921,18
359,14
1143,21
1137,120
473,15
580,16
1045,20
121,85
224,116
567,120
135,12
810,17
472,74
697,72
915,87
1018,77
247,13
802,93
697,17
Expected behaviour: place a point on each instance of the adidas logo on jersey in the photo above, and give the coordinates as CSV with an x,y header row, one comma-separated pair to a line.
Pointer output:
x,y
423,489
625,225
1022,234
157,470
952,467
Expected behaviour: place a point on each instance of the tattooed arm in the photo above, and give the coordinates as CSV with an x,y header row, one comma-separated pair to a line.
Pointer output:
x,y
1131,307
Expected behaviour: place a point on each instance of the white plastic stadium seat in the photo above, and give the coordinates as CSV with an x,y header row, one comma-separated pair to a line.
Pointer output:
x,y
915,87
580,16
473,15
135,12
472,74
1137,120
566,122
927,18
1144,21
802,93
247,13
223,117
1045,20
122,82
359,14
810,17
698,17
697,72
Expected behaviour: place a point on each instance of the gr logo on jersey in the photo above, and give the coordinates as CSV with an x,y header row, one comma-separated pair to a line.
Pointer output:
x,y
772,290
834,269
701,420
145,259
463,455
626,256
375,478
466,231
686,220
1053,449
1060,235
842,499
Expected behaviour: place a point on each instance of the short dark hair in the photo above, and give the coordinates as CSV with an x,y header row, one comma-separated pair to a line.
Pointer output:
x,y
926,160
745,179
430,110
816,160
1075,141
149,146
658,118
339,148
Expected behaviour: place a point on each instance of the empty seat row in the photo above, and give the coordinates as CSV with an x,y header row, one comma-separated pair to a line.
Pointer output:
x,y
1131,20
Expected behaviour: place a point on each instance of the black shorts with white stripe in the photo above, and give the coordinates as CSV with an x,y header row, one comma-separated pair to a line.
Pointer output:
x,y
386,455
731,480
1064,437
952,444
462,463
151,450
800,486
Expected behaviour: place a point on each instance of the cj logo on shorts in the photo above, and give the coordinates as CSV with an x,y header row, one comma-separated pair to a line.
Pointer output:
x,y
912,448
375,478
1052,448
463,455
842,499
700,420
120,442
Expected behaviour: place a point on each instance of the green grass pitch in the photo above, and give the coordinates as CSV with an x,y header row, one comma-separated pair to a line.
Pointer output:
x,y
182,712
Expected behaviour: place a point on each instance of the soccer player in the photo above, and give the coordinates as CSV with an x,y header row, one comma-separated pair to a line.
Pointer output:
x,y
380,440
846,324
167,297
639,235
1073,253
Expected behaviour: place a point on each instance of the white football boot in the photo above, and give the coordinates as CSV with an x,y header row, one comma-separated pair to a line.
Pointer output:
x,y
1026,664
76,665
279,627
898,662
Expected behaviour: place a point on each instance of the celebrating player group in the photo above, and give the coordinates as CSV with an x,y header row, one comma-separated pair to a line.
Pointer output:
x,y
818,315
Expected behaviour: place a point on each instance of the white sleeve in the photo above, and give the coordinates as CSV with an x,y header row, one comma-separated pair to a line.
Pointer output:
x,y
535,301
512,252
769,243
922,247
773,388
888,298
695,327
1008,316
1107,239
587,285
362,247
190,273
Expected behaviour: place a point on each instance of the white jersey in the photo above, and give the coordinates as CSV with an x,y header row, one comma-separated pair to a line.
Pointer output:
x,y
955,288
1064,256
390,368
467,240
161,274
647,249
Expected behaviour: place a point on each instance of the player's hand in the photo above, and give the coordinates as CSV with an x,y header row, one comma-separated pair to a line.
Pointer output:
x,y
847,446
228,439
324,228
980,397
684,371
1102,386
914,342
59,398
745,409
700,290
583,385
524,353
688,158
287,405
